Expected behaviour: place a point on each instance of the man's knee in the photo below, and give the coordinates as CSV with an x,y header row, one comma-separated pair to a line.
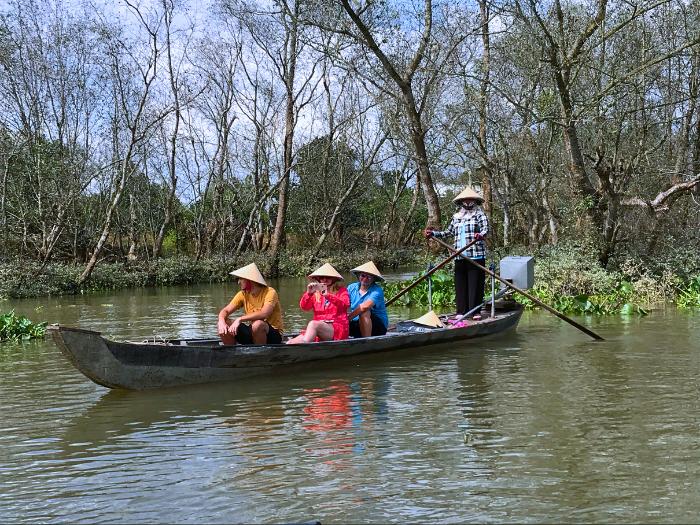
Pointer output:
x,y
367,316
259,326
227,339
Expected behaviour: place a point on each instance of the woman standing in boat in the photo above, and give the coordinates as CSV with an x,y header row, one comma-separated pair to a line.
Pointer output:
x,y
329,301
367,315
468,224
261,322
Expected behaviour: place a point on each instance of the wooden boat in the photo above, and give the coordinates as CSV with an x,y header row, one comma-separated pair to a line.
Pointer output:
x,y
145,365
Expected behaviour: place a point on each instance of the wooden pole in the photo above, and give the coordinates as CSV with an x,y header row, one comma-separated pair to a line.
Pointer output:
x,y
431,272
523,292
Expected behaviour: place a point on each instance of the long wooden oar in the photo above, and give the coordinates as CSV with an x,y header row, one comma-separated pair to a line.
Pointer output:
x,y
523,292
431,272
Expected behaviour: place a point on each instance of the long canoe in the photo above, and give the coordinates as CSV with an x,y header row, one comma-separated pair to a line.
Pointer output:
x,y
146,365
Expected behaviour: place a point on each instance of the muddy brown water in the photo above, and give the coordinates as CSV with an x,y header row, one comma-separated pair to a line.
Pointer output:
x,y
540,425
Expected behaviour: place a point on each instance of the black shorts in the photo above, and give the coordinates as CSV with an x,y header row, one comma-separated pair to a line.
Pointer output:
x,y
244,335
378,327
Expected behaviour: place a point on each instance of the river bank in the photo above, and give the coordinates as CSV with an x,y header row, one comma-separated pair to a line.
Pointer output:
x,y
567,277
22,278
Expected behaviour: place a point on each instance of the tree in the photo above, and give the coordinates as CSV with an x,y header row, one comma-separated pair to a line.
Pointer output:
x,y
132,79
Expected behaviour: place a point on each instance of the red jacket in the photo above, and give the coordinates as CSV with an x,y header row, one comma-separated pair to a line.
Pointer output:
x,y
331,307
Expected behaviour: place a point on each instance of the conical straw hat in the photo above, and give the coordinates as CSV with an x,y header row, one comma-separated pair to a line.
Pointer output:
x,y
326,271
251,273
468,193
368,267
430,319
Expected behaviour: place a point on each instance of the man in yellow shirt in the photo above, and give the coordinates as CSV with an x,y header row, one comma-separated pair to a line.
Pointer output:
x,y
261,308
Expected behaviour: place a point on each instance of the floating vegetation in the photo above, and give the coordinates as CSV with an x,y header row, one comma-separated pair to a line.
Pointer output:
x,y
689,295
443,290
15,327
612,298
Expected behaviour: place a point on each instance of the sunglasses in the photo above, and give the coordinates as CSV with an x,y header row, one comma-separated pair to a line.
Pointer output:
x,y
365,275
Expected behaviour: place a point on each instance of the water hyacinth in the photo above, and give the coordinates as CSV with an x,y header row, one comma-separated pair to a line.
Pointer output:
x,y
689,295
443,290
15,327
615,297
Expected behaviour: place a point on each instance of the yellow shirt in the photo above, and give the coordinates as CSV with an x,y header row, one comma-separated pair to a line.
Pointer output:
x,y
254,303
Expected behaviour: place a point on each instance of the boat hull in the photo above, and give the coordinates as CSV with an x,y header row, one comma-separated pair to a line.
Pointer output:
x,y
140,366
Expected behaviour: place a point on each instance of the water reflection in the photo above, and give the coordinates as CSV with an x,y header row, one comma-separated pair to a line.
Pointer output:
x,y
328,408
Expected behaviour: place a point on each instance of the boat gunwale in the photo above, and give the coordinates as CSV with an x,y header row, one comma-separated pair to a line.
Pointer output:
x,y
214,344
147,365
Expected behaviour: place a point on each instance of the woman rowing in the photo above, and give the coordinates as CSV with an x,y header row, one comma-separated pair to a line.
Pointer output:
x,y
469,223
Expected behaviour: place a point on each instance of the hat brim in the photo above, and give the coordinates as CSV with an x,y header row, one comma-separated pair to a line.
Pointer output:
x,y
376,277
480,200
334,277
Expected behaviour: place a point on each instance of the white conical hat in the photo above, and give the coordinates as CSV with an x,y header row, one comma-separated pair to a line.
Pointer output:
x,y
468,193
326,271
368,267
251,273
430,319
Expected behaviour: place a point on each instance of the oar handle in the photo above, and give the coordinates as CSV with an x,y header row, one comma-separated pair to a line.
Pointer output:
x,y
529,296
431,272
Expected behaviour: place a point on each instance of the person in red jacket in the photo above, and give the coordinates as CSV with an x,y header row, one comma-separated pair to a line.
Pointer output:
x,y
329,301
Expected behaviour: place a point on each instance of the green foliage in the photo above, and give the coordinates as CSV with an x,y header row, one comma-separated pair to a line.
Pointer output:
x,y
442,288
15,327
620,299
567,278
170,243
689,294
323,174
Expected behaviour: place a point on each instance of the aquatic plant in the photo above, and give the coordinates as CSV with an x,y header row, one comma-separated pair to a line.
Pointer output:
x,y
564,280
620,299
15,327
442,288
689,294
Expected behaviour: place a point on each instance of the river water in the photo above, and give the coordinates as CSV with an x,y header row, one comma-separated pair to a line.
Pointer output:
x,y
540,425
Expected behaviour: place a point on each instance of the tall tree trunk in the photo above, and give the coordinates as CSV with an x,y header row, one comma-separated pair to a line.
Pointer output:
x,y
3,199
172,172
410,107
484,106
418,139
133,237
107,224
278,235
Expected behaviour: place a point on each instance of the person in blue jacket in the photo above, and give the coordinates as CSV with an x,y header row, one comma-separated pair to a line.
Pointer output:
x,y
367,315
